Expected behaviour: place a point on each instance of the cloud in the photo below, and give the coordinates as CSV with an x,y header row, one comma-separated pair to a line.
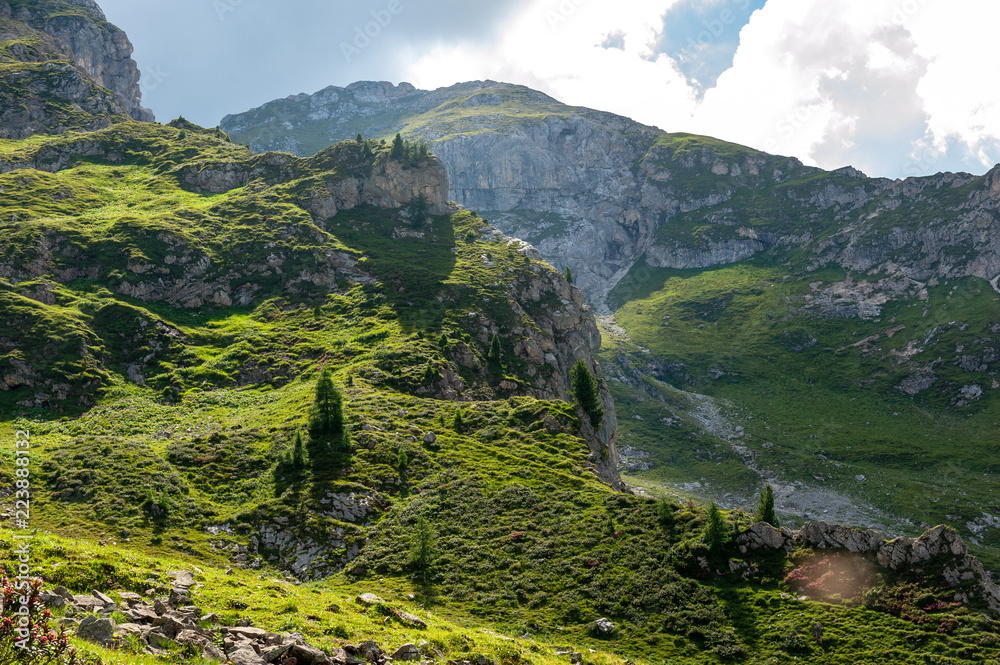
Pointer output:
x,y
893,87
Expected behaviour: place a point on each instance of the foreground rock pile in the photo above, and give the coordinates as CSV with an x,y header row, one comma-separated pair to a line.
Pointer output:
x,y
160,627
940,548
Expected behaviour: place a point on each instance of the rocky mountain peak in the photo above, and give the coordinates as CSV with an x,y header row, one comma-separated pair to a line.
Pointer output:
x,y
99,50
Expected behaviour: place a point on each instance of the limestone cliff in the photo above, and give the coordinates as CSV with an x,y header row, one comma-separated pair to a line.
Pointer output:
x,y
596,191
77,70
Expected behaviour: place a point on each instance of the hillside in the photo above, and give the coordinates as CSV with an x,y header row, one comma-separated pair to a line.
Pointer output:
x,y
833,334
178,316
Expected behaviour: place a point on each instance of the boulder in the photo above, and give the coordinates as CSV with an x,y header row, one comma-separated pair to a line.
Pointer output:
x,y
406,652
369,599
308,655
96,630
245,656
410,619
603,626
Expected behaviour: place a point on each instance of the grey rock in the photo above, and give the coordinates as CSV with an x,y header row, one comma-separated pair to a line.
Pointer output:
x,y
368,599
308,655
96,630
406,652
604,626
245,656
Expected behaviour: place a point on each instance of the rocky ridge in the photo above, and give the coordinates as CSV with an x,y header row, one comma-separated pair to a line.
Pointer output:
x,y
158,624
597,191
939,548
80,32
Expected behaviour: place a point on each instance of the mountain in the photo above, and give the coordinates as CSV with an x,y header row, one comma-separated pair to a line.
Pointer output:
x,y
64,67
300,410
835,335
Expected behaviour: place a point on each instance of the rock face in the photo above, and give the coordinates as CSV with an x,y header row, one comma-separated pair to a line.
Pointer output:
x,y
597,191
99,50
940,549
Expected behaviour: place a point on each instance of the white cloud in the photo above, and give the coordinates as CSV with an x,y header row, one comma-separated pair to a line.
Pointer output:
x,y
893,87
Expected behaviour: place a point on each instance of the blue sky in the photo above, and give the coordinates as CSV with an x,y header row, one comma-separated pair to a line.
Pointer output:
x,y
893,87
703,36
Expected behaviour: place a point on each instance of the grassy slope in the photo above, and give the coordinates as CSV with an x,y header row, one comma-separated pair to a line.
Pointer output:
x,y
529,540
831,410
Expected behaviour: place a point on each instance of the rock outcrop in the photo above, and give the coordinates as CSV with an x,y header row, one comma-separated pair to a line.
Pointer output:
x,y
597,191
940,550
160,625
98,49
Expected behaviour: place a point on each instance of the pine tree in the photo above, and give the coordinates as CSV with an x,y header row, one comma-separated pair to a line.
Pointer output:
x,y
665,514
298,452
568,274
398,147
456,423
359,138
402,460
418,209
495,351
585,392
716,529
765,506
328,408
423,546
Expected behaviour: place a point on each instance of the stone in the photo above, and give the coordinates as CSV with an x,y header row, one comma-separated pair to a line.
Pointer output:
x,y
129,630
276,651
604,626
430,437
249,632
406,652
158,640
104,599
130,598
212,652
410,619
97,630
182,578
308,655
141,614
245,656
368,599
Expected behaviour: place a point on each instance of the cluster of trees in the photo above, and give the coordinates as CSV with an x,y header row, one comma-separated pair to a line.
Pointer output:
x,y
411,153
717,531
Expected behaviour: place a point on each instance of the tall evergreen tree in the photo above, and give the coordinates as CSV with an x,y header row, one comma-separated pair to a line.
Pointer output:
x,y
457,424
584,387
418,209
328,408
665,513
359,138
495,351
298,452
765,506
568,274
716,529
398,150
423,546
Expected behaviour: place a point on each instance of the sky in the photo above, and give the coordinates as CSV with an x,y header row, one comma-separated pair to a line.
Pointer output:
x,y
895,88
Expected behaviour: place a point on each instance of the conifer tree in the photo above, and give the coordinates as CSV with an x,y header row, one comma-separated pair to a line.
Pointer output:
x,y
423,546
765,506
495,351
328,408
456,423
298,452
359,138
398,150
716,529
568,274
665,513
584,387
